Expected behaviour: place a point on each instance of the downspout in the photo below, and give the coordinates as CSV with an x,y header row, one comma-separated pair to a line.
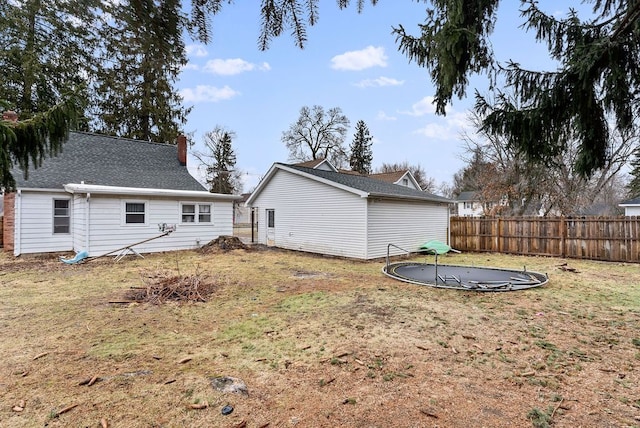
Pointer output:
x,y
87,217
448,225
16,223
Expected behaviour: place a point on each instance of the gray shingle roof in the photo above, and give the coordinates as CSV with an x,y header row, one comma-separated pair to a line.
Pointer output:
x,y
634,201
372,186
467,196
111,161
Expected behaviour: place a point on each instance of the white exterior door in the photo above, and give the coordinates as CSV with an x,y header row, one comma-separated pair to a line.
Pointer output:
x,y
271,227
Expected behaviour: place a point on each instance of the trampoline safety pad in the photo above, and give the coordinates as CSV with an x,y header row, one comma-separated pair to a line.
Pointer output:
x,y
464,277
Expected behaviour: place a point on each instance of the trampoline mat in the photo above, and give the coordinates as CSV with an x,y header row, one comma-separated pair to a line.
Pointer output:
x,y
465,277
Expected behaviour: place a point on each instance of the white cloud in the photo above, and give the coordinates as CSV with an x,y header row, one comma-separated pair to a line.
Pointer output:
x,y
197,50
205,93
359,60
423,107
451,127
383,116
229,67
435,130
380,81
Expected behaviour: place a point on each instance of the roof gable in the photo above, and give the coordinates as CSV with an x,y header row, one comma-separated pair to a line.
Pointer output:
x,y
320,163
396,177
358,184
111,161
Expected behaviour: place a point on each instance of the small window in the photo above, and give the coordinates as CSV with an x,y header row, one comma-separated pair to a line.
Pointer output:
x,y
134,212
405,182
271,218
188,213
204,213
61,217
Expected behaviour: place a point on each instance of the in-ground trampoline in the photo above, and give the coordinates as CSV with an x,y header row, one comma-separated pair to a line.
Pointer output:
x,y
464,277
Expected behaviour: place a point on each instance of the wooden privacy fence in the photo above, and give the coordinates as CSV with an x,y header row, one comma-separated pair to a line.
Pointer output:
x,y
593,238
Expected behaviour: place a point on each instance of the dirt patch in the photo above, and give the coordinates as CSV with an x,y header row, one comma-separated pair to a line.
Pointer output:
x,y
223,243
317,342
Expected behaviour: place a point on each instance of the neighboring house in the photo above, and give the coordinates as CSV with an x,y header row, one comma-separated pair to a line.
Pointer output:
x,y
402,178
469,205
631,207
103,193
321,210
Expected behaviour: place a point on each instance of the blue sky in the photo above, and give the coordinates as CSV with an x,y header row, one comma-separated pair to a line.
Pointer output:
x,y
350,61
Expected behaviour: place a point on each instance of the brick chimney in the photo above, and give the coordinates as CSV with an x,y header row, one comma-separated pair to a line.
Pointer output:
x,y
182,150
10,116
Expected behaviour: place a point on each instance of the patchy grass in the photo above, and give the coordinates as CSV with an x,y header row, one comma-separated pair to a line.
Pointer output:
x,y
319,342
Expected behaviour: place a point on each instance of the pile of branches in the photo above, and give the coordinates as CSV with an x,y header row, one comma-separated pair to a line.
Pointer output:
x,y
163,286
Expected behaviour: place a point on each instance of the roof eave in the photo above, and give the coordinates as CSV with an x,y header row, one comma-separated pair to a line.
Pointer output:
x,y
409,197
141,191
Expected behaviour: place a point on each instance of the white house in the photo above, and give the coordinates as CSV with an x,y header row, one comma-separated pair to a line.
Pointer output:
x,y
631,207
401,178
469,205
321,210
103,193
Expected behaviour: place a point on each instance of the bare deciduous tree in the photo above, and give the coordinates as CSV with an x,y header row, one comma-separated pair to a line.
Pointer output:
x,y
318,134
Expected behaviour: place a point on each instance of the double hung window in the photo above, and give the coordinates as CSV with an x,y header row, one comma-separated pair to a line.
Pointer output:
x,y
61,215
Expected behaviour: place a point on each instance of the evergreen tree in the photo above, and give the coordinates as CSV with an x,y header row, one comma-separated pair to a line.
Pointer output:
x,y
634,185
25,143
145,52
361,153
219,162
46,54
539,112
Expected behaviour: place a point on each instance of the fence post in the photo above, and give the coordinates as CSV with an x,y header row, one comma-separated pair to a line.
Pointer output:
x,y
563,236
498,236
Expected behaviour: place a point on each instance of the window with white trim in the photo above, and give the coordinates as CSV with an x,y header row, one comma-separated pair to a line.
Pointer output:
x,y
204,213
271,218
196,213
61,215
135,212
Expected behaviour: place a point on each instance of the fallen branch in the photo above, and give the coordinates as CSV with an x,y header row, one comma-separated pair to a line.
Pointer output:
x,y
199,406
66,409
556,409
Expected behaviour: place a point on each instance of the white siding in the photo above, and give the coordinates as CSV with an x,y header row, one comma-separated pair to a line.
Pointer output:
x,y
34,226
405,224
312,216
78,222
109,232
629,211
475,210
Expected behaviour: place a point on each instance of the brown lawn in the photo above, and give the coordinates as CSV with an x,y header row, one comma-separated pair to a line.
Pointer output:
x,y
317,341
